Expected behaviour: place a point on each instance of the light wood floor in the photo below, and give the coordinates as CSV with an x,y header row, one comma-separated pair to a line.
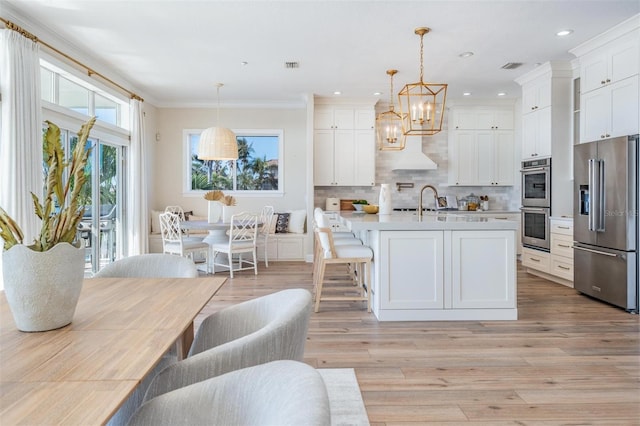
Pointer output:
x,y
567,360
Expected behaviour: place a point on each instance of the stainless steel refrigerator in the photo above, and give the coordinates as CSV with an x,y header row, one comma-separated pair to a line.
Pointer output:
x,y
606,220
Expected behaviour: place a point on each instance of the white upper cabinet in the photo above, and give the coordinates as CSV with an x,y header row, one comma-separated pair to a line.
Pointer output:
x,y
334,118
610,63
536,95
609,80
481,147
481,118
546,109
344,146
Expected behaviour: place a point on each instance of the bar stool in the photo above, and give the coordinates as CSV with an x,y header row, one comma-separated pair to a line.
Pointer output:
x,y
356,255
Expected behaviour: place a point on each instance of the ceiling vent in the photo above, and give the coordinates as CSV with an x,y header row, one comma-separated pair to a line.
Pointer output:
x,y
511,65
291,65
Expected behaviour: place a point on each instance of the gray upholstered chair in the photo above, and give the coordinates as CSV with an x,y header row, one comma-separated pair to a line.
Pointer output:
x,y
264,329
155,265
278,393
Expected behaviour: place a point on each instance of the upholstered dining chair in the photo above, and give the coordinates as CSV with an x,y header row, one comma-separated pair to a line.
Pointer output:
x,y
243,230
153,265
266,219
267,328
174,242
278,393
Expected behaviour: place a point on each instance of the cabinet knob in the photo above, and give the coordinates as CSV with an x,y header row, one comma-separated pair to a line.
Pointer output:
x,y
608,81
602,82
607,135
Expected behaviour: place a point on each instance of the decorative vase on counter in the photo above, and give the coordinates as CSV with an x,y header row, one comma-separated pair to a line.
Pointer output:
x,y
43,288
384,202
215,211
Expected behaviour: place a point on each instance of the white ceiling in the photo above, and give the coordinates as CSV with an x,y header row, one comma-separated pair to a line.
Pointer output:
x,y
172,53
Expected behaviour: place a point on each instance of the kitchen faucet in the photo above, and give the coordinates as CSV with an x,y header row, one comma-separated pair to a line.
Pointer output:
x,y
435,196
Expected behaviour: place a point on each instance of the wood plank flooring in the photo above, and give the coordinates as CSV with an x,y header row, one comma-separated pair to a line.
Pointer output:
x,y
567,360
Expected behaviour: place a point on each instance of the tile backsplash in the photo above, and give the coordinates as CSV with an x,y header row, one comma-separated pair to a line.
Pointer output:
x,y
435,147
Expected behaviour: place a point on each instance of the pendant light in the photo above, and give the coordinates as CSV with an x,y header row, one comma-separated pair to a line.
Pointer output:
x,y
389,125
218,143
422,104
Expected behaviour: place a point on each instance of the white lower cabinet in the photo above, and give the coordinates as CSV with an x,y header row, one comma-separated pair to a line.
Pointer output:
x,y
480,276
557,264
444,275
536,259
404,287
283,247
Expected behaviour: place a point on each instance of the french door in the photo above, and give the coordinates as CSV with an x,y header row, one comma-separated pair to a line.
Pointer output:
x,y
101,229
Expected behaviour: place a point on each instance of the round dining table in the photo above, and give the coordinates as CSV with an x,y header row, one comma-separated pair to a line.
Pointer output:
x,y
217,230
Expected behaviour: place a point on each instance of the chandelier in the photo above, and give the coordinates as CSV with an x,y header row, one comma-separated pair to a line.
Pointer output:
x,y
389,125
218,143
422,104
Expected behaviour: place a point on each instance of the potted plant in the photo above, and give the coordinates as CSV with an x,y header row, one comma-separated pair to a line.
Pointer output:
x,y
43,280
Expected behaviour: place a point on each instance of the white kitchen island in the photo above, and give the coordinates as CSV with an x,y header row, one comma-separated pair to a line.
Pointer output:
x,y
445,266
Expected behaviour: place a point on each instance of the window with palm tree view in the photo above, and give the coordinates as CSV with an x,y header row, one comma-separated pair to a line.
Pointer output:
x,y
257,169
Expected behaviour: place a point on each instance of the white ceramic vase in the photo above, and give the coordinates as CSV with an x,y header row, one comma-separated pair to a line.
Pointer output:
x,y
214,213
227,212
384,201
43,288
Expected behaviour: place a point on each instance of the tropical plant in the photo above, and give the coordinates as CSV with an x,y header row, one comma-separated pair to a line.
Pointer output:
x,y
62,208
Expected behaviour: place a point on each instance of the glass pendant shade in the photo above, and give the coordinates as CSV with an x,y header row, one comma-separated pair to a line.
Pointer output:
x,y
422,105
389,133
218,143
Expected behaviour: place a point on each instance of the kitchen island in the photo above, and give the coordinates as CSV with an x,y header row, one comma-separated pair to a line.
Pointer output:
x,y
444,266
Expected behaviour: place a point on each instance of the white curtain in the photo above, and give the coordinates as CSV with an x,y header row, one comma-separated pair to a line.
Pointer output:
x,y
137,206
21,131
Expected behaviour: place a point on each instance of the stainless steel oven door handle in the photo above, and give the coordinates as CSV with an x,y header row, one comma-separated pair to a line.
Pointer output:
x,y
533,209
595,251
535,169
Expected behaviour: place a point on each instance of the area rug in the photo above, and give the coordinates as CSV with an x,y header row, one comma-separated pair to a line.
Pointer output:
x,y
347,407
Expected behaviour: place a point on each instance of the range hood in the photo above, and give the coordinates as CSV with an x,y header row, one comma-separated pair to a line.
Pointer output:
x,y
411,157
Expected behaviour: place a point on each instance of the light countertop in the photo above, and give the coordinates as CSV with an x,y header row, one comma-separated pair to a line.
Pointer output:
x,y
408,221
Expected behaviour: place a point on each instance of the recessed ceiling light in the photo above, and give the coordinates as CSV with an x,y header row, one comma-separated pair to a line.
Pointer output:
x,y
377,93
502,93
466,94
563,33
465,54
337,92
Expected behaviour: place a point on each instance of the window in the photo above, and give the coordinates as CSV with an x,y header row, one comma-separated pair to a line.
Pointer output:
x,y
66,90
259,167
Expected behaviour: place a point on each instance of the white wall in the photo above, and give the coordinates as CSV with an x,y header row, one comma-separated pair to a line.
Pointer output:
x,y
168,155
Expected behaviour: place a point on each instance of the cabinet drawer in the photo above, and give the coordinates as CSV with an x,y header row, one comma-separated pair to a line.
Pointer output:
x,y
562,267
535,259
562,227
562,245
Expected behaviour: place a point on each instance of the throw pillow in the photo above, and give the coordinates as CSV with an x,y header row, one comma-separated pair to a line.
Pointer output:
x,y
296,221
282,224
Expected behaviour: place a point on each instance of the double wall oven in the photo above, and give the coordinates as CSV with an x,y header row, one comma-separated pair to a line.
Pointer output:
x,y
536,203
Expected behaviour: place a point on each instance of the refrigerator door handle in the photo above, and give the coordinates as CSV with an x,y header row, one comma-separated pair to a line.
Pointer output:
x,y
601,197
593,196
595,251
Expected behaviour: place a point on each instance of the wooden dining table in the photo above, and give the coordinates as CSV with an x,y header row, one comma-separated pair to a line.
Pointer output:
x,y
80,374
